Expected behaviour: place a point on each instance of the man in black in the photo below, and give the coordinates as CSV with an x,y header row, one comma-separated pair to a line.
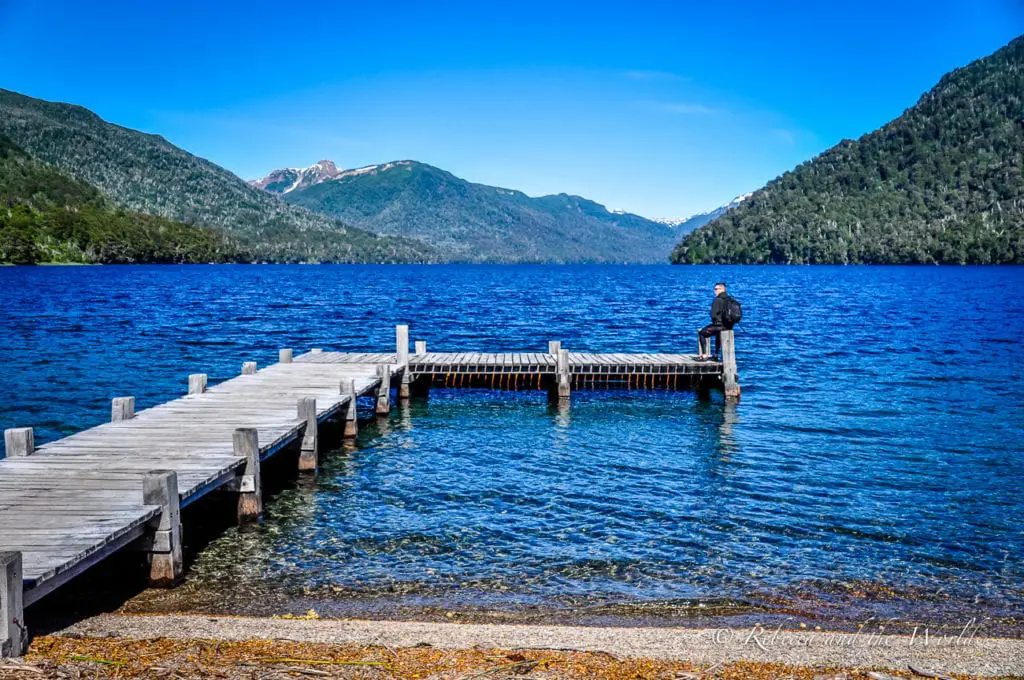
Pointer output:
x,y
717,325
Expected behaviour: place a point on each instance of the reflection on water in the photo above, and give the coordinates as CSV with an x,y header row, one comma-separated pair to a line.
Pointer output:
x,y
873,467
729,418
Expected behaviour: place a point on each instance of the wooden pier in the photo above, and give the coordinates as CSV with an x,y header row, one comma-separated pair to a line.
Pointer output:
x,y
68,504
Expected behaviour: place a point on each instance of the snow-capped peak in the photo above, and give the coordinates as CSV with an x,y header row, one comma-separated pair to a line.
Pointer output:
x,y
286,180
700,219
669,221
736,201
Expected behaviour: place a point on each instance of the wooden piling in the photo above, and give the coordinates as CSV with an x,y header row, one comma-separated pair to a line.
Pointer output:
x,y
402,354
316,350
250,490
421,347
402,343
384,389
554,346
249,368
562,367
309,451
351,422
197,383
166,567
20,442
730,378
122,408
13,634
284,356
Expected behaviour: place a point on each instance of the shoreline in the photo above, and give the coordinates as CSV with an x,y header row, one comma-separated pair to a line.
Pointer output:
x,y
795,615
700,648
461,263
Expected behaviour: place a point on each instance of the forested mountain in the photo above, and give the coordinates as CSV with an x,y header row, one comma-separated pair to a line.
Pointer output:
x,y
475,222
942,183
47,216
146,173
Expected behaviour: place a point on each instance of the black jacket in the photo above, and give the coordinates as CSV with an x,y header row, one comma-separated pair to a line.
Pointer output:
x,y
718,309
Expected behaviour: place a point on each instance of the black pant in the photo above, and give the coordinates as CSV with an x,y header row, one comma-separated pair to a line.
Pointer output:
x,y
705,334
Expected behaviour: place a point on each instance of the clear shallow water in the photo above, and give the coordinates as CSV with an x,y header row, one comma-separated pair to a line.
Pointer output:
x,y
874,466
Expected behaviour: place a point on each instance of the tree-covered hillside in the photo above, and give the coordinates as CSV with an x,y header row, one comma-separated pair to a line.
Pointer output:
x,y
943,183
47,216
480,223
146,173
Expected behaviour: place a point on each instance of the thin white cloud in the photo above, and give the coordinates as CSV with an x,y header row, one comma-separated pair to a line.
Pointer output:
x,y
787,136
664,76
685,108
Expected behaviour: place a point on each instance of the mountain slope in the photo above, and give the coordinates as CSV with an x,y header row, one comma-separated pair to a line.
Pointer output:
x,y
146,173
942,183
479,223
47,216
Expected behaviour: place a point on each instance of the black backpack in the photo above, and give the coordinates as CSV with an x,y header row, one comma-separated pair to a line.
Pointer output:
x,y
733,312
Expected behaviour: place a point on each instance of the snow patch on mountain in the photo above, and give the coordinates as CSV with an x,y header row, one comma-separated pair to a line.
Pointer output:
x,y
688,224
286,180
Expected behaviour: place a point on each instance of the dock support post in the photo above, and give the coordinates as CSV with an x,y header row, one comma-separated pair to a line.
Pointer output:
x,y
285,356
404,386
309,453
197,383
160,487
249,368
20,442
250,496
730,378
13,634
384,389
402,343
421,385
316,350
555,350
402,353
122,408
562,367
351,417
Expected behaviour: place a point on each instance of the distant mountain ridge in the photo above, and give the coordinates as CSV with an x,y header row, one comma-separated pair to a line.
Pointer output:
x,y
942,183
468,221
145,173
685,225
287,180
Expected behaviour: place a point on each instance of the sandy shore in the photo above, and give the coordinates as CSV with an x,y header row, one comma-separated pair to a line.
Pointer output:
x,y
703,648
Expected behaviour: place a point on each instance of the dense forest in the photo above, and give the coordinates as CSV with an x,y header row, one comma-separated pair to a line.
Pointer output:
x,y
47,216
479,223
943,183
146,173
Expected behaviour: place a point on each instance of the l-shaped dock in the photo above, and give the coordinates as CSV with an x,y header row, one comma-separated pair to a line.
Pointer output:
x,y
70,503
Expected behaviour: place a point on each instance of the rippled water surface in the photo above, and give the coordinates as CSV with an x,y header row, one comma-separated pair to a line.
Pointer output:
x,y
874,466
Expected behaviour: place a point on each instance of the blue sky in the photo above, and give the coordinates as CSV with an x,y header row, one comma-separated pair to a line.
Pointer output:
x,y
660,108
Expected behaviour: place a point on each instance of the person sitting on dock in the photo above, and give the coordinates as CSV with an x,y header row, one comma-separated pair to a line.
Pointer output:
x,y
719,322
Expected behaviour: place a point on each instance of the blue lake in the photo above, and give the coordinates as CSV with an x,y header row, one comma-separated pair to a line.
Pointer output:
x,y
873,468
